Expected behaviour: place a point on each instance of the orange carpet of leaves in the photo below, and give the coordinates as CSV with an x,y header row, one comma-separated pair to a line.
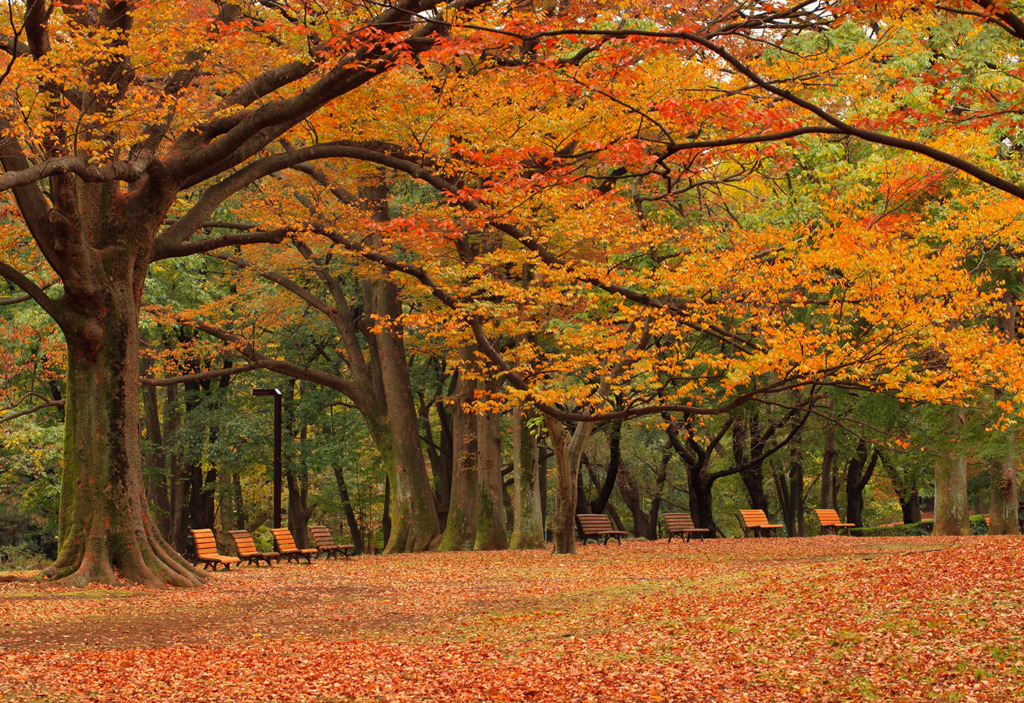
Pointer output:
x,y
823,619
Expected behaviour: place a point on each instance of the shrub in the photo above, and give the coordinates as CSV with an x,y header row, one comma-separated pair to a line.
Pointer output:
x,y
18,557
915,529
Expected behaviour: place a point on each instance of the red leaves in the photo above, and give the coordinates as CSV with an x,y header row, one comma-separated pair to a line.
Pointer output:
x,y
825,619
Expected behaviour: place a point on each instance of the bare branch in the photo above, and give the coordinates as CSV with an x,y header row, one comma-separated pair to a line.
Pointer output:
x,y
201,376
35,408
37,294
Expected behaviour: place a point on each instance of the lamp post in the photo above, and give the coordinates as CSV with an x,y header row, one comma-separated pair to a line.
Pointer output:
x,y
277,449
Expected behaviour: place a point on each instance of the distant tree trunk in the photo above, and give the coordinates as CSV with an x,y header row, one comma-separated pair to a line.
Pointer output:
x,y
1005,497
157,485
606,487
460,529
828,463
696,458
789,485
439,452
567,452
350,513
527,518
859,471
1005,489
385,520
952,515
905,482
659,487
910,507
645,523
297,476
631,498
491,518
241,515
748,441
179,479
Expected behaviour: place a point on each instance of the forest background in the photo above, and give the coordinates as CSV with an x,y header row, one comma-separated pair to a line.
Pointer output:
x,y
506,262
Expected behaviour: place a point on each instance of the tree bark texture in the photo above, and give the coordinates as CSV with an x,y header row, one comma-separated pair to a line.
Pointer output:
x,y
414,526
952,513
527,517
491,518
1005,496
567,452
106,531
463,510
859,470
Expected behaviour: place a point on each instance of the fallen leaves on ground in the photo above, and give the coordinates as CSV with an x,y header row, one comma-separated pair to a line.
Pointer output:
x,y
824,619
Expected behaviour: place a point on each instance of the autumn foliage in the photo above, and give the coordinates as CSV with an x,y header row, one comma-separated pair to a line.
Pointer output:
x,y
823,619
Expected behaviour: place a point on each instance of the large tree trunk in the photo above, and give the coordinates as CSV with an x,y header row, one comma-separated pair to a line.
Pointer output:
x,y
491,519
106,532
414,526
527,517
952,514
1003,511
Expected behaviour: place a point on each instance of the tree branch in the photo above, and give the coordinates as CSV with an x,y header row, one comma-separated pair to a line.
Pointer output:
x,y
200,376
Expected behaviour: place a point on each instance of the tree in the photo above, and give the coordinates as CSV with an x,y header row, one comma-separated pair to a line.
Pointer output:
x,y
158,119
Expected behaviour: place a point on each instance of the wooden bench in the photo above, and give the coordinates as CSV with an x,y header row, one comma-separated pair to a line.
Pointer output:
x,y
286,546
596,526
756,522
206,551
682,524
325,542
830,521
246,549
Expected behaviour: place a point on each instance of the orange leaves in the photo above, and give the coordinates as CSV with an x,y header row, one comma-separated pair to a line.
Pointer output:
x,y
822,619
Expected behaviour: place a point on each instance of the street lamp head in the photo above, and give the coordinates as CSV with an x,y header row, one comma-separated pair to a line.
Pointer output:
x,y
266,391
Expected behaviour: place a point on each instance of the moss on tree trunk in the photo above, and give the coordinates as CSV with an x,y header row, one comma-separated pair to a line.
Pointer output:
x,y
106,532
527,517
491,520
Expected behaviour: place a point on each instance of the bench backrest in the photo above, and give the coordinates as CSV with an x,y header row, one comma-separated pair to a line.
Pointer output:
x,y
828,516
284,539
594,524
754,518
244,543
677,522
206,543
322,536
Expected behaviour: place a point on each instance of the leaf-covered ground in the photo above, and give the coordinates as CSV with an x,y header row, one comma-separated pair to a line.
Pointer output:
x,y
824,619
